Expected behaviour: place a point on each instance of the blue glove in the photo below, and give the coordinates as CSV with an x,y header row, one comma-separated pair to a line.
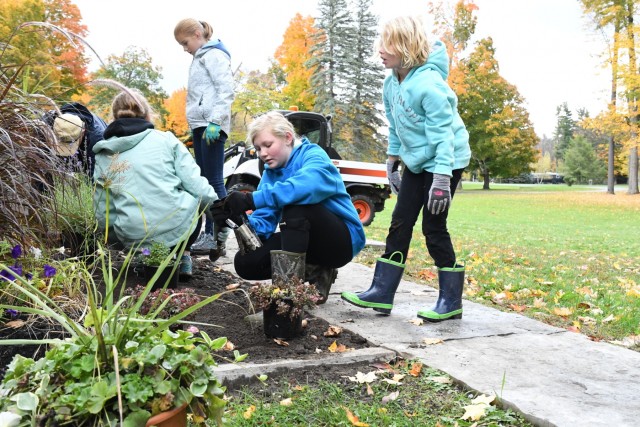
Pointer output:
x,y
211,133
439,194
394,175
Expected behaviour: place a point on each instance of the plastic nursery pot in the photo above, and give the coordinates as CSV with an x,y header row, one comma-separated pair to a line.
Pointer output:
x,y
281,325
165,276
174,418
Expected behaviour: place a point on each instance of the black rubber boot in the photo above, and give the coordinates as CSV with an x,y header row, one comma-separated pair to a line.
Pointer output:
x,y
449,304
386,279
322,278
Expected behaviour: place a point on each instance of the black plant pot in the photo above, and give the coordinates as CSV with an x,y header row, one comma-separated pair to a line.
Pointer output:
x,y
281,325
165,276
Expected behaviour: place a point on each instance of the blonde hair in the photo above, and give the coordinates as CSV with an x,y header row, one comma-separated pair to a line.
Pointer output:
x,y
406,37
132,104
189,26
273,121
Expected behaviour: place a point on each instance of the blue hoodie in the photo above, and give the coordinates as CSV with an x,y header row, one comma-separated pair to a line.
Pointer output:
x,y
425,129
308,178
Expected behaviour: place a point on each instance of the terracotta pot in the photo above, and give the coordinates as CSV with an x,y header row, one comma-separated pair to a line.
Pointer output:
x,y
150,270
174,418
281,325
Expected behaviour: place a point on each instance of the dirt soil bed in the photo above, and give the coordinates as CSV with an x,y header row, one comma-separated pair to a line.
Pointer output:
x,y
229,314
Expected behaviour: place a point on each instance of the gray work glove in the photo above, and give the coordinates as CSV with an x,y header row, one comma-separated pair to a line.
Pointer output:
x,y
394,175
439,194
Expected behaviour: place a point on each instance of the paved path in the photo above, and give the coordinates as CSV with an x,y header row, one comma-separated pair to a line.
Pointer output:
x,y
552,376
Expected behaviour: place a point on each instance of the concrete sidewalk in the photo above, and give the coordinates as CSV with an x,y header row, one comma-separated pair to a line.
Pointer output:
x,y
552,376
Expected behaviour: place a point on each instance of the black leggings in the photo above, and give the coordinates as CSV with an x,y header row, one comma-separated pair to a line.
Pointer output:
x,y
413,197
312,229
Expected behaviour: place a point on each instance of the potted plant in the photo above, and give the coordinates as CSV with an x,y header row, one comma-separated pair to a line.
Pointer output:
x,y
116,366
283,302
153,259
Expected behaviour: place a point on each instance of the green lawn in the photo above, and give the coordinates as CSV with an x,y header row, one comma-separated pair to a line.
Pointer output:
x,y
564,255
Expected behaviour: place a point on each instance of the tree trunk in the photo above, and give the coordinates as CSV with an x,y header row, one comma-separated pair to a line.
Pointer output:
x,y
611,178
633,171
487,181
633,102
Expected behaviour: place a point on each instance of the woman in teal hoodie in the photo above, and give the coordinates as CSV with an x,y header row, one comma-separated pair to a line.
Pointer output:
x,y
427,134
302,192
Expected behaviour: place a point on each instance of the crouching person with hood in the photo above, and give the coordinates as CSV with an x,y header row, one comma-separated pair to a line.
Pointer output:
x,y
148,187
302,192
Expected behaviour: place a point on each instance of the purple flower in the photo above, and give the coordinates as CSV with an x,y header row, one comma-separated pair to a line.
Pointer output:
x,y
49,271
28,276
6,275
146,252
12,313
16,252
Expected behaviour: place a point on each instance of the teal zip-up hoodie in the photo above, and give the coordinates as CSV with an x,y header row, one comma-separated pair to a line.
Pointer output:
x,y
425,129
308,178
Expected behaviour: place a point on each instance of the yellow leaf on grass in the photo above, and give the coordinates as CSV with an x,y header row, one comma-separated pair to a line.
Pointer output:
x,y
249,412
355,421
518,308
562,311
539,303
426,274
369,390
586,290
337,348
475,412
609,318
415,369
392,382
364,378
390,397
440,380
286,402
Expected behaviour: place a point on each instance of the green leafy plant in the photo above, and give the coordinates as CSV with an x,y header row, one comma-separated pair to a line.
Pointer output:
x,y
155,255
117,365
283,293
177,301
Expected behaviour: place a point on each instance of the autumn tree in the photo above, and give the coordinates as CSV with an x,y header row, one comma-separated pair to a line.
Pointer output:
x,y
134,69
617,17
501,135
292,55
48,53
176,117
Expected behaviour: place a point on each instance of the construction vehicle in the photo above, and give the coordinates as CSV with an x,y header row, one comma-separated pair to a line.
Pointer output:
x,y
366,183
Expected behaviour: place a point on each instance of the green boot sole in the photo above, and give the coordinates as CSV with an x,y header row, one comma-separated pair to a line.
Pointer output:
x,y
377,306
432,316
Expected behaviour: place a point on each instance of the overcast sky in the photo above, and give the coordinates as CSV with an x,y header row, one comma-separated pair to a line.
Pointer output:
x,y
546,48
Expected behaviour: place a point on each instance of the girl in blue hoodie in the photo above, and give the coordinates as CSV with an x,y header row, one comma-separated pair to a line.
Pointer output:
x,y
302,192
209,98
427,134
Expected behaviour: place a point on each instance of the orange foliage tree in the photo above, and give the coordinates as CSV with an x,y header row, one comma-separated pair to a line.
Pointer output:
x,y
291,55
176,117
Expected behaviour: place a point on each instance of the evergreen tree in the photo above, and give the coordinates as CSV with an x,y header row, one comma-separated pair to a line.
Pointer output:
x,y
359,139
565,127
581,163
330,53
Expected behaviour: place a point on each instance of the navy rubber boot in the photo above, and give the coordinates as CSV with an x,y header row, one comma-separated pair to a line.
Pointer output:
x,y
386,279
449,304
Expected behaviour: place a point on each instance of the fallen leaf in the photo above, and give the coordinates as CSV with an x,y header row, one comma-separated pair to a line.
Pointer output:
x,y
474,412
391,381
348,321
283,343
286,402
249,412
427,274
369,390
415,369
15,324
318,351
562,311
518,308
539,303
417,322
337,348
587,320
333,331
364,378
355,421
314,337
440,380
609,318
304,323
390,397
382,366
232,286
432,341
629,341
228,346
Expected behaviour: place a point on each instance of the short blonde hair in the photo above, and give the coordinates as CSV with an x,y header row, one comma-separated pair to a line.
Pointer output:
x,y
132,104
406,37
189,26
273,121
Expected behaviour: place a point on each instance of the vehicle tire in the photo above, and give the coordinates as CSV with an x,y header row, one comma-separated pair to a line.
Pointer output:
x,y
243,187
365,208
